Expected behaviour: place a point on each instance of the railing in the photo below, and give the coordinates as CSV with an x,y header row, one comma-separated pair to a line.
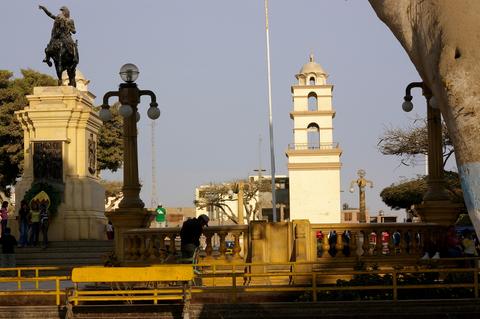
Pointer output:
x,y
159,245
401,240
388,239
323,285
312,146
23,275
447,278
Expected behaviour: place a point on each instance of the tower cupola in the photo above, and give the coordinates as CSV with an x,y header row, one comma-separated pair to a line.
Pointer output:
x,y
312,73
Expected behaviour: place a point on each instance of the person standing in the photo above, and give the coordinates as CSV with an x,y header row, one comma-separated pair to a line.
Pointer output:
x,y
34,224
160,217
109,230
454,248
23,215
44,224
190,234
4,215
8,242
469,249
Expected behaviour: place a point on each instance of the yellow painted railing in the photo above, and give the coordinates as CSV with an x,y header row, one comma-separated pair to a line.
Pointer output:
x,y
33,274
236,279
225,278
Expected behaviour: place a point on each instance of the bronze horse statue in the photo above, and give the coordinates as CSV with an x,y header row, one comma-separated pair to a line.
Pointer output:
x,y
61,48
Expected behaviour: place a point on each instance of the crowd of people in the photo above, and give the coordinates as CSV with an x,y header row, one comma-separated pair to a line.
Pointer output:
x,y
461,244
455,244
32,219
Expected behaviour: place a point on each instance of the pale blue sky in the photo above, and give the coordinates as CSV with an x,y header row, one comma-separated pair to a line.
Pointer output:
x,y
205,60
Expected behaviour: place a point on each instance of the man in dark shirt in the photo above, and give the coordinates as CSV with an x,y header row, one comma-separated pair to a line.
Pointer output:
x,y
23,214
8,249
190,234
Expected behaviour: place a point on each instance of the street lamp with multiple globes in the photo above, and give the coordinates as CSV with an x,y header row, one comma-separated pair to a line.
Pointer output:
x,y
129,98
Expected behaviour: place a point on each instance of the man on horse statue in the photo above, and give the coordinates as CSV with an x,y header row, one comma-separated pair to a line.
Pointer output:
x,y
61,48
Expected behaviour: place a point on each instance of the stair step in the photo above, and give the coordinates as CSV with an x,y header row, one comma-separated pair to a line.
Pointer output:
x,y
82,243
31,312
60,255
66,253
326,310
60,262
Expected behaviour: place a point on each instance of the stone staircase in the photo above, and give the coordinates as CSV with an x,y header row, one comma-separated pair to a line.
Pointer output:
x,y
31,312
65,254
427,309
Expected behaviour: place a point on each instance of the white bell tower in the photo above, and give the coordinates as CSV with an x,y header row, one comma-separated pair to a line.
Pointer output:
x,y
313,158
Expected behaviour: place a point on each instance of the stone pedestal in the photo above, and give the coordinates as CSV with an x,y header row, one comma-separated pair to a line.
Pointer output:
x,y
270,243
302,252
442,212
64,117
124,219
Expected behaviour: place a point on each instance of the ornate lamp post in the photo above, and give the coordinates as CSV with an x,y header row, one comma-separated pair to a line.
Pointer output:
x,y
361,182
436,206
129,98
130,212
435,182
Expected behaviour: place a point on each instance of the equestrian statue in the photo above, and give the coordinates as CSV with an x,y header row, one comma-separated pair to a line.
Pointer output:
x,y
61,48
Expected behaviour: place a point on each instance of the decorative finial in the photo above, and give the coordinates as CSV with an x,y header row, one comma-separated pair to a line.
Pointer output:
x,y
311,57
361,173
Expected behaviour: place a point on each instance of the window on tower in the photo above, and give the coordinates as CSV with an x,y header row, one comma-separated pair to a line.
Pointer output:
x,y
313,136
312,101
312,81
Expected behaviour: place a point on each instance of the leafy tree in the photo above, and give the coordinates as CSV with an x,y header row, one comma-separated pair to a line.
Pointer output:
x,y
113,193
404,194
413,140
110,143
408,193
406,143
13,94
220,195
112,188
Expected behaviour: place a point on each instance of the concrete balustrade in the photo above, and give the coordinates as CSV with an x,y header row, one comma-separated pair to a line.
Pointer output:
x,y
389,239
264,242
160,245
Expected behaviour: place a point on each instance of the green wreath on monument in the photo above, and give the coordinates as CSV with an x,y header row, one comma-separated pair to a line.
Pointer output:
x,y
44,192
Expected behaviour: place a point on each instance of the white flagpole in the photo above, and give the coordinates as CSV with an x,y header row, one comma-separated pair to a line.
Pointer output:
x,y
272,152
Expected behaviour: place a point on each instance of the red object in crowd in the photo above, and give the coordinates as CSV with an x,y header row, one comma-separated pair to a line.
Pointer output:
x,y
385,237
319,235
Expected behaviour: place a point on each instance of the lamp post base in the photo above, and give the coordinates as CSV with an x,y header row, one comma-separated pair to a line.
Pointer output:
x,y
124,219
442,212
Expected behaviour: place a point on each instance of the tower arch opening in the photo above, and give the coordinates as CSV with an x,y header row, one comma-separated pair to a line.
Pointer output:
x,y
312,101
313,136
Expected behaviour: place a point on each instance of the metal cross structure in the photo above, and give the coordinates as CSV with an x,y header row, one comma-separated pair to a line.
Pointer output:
x,y
361,182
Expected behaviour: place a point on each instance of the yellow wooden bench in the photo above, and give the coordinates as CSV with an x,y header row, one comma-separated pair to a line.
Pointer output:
x,y
128,284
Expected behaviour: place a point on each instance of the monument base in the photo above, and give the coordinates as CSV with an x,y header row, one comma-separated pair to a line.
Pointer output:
x,y
77,225
82,218
442,212
61,127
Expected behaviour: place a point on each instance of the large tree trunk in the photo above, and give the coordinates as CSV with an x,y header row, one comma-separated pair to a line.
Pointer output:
x,y
442,38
